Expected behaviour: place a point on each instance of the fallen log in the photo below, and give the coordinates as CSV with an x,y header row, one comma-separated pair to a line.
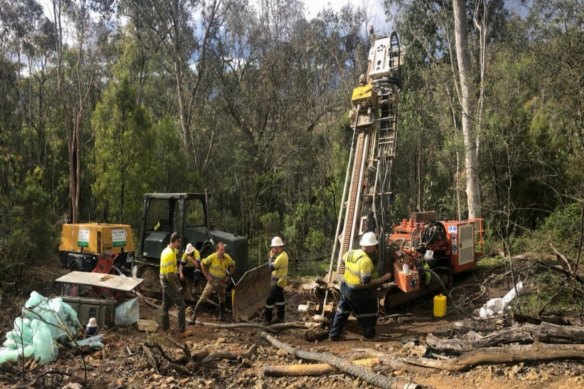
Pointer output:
x,y
151,359
341,364
498,355
527,333
316,369
293,324
185,358
560,269
229,355
473,341
200,354
237,325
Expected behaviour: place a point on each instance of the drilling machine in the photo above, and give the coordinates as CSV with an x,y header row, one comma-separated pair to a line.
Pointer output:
x,y
421,253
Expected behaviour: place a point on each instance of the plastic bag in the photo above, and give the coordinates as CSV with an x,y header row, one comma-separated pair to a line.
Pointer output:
x,y
95,342
127,313
43,346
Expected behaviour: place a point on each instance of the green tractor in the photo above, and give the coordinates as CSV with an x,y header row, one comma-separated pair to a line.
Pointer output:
x,y
188,214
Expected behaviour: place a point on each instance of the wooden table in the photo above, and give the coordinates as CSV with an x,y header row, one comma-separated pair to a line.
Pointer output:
x,y
110,281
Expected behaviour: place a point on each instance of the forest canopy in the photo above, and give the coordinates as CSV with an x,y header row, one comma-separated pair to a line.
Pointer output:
x,y
103,101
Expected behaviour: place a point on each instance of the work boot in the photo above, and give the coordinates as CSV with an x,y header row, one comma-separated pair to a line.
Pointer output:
x,y
222,316
194,316
280,313
267,316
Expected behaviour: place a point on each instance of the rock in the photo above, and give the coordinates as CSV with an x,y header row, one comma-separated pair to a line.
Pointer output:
x,y
169,380
419,351
73,385
220,341
531,376
282,353
259,384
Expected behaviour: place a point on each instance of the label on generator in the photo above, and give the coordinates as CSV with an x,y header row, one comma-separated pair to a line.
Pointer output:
x,y
118,238
83,238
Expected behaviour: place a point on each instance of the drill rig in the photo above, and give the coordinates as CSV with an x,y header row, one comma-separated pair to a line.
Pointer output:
x,y
421,253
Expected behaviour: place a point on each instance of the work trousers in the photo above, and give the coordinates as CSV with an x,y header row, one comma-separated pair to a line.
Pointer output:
x,y
171,295
362,302
276,297
209,288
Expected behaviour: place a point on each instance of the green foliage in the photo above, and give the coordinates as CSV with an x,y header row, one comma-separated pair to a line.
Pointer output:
x,y
270,223
561,229
28,233
545,293
123,158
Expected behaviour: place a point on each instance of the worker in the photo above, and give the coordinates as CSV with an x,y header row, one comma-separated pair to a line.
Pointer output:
x,y
170,284
278,262
358,289
217,269
190,265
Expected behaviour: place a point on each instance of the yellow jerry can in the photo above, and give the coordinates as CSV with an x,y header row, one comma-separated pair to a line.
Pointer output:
x,y
439,305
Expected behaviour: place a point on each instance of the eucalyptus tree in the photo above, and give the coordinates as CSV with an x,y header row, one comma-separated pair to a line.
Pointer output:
x,y
182,30
78,71
280,86
435,38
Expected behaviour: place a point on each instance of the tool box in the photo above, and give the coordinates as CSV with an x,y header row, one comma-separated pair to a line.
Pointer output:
x,y
102,310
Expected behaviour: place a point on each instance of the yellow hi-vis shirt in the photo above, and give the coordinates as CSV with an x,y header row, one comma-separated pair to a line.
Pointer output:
x,y
218,267
358,268
167,262
281,269
187,260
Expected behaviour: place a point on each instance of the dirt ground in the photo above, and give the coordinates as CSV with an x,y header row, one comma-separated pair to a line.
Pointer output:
x,y
123,363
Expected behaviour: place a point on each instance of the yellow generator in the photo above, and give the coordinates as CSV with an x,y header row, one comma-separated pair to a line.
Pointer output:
x,y
97,247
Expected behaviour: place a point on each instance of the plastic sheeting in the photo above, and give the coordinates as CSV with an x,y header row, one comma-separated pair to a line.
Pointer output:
x,y
127,313
497,306
43,322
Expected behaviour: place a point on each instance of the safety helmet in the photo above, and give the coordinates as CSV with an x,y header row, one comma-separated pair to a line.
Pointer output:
x,y
368,239
190,248
277,242
92,322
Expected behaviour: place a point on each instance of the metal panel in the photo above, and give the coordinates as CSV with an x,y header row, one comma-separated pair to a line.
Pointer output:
x,y
251,292
466,243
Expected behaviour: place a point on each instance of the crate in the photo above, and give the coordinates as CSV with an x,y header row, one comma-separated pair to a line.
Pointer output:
x,y
102,309
147,325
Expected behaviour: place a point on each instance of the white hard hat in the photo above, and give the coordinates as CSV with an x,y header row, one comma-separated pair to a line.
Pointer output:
x,y
368,239
92,322
190,248
277,242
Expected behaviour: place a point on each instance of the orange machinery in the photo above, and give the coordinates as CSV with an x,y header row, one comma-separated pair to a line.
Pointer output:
x,y
420,243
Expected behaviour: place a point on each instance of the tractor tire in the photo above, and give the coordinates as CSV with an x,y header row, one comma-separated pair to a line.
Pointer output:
x,y
151,284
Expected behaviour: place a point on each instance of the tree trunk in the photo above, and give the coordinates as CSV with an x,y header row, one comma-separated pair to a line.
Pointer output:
x,y
528,333
497,355
470,152
315,369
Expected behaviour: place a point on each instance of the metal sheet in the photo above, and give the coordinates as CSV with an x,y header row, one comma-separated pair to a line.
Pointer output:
x,y
109,281
251,292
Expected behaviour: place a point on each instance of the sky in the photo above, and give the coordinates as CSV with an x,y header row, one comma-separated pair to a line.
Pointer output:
x,y
373,8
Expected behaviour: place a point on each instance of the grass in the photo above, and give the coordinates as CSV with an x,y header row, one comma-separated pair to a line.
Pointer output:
x,y
490,263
